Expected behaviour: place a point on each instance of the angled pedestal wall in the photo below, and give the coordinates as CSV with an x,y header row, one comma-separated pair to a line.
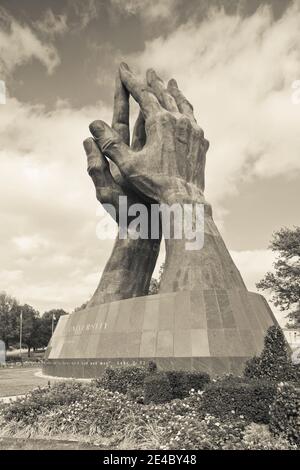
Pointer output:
x,y
213,330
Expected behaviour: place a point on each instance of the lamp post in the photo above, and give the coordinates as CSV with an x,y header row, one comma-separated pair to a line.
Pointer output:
x,y
21,331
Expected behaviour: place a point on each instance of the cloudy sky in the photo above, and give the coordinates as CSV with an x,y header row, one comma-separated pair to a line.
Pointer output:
x,y
236,61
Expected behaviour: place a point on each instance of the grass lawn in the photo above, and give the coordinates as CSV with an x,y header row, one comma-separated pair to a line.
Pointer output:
x,y
18,381
43,444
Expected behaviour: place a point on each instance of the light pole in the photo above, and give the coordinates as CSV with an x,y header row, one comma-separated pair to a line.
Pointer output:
x,y
21,328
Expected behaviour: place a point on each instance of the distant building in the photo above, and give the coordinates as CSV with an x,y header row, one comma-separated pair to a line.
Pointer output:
x,y
292,336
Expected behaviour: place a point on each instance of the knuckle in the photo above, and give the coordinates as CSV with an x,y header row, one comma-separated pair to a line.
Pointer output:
x,y
183,129
103,194
184,122
206,144
130,164
93,164
166,119
198,132
109,141
189,105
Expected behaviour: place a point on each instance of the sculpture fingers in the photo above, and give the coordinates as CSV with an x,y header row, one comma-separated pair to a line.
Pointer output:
x,y
107,190
110,143
183,104
161,93
139,133
148,102
120,121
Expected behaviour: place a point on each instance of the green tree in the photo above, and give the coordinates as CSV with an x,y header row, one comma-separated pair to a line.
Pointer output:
x,y
46,324
154,286
8,319
274,362
155,283
31,323
284,282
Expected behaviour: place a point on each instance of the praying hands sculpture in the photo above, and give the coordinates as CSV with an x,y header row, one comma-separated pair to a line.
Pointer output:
x,y
165,164
203,317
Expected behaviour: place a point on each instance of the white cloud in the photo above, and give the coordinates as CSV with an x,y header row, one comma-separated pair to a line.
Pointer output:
x,y
19,44
30,244
48,205
253,265
85,11
76,17
51,24
7,278
148,10
238,73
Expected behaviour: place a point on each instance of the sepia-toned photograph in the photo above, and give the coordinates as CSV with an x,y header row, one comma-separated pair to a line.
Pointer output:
x,y
149,230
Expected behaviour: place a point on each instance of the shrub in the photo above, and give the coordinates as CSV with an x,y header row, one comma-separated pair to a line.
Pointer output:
x,y
131,379
197,380
285,413
97,412
190,433
38,401
183,381
152,367
136,394
120,379
13,358
251,400
157,388
258,437
112,419
178,383
274,363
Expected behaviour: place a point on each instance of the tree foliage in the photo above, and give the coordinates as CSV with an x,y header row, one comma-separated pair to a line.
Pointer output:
x,y
155,283
31,324
50,318
36,329
284,282
8,319
274,363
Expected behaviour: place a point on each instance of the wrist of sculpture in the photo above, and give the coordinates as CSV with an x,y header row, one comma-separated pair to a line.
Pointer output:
x,y
199,257
128,271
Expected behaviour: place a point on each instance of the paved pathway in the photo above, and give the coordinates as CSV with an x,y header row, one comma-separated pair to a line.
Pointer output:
x,y
43,444
19,380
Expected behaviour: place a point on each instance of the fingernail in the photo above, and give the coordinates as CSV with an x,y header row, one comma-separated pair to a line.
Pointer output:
x,y
173,83
151,75
125,66
97,128
88,145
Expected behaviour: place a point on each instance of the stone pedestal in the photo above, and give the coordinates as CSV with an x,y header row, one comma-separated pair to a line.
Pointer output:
x,y
213,330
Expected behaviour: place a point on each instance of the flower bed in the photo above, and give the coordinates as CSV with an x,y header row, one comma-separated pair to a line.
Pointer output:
x,y
87,410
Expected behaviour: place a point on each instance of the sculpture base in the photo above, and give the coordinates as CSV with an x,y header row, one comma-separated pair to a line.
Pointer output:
x,y
212,330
